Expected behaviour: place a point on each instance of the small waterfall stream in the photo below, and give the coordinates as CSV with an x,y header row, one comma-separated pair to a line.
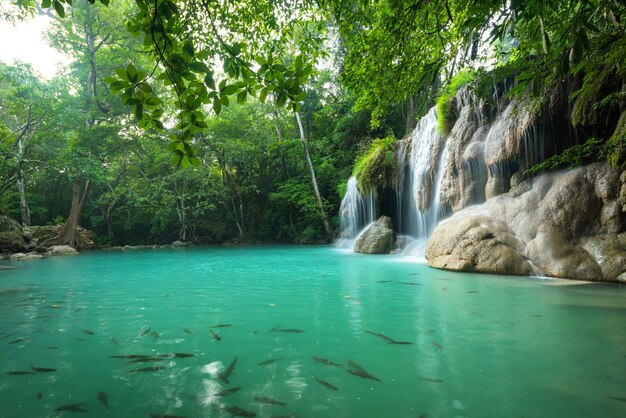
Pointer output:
x,y
356,212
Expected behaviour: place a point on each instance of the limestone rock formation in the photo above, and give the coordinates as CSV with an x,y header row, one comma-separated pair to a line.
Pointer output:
x,y
25,257
62,250
565,224
478,243
378,238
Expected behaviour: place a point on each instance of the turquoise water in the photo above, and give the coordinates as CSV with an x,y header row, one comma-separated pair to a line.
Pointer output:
x,y
480,346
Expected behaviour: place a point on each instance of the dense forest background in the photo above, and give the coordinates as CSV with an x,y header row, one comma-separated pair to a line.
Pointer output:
x,y
211,122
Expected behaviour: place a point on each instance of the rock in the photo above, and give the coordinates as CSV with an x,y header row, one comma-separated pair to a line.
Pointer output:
x,y
476,243
62,250
11,236
378,238
557,257
609,252
621,278
25,257
565,224
178,243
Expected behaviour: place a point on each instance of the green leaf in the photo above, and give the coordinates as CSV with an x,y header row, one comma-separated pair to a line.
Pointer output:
x,y
228,90
208,80
116,86
121,72
262,95
58,7
188,49
184,162
139,111
131,73
241,96
46,4
224,100
217,105
195,161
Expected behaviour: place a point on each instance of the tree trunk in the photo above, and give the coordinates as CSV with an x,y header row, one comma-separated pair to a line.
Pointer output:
x,y
21,188
411,114
69,234
330,235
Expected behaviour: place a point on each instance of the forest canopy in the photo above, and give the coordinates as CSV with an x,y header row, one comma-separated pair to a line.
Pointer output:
x,y
210,120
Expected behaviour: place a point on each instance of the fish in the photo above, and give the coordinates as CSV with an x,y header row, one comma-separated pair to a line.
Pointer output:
x,y
165,416
428,379
239,412
79,339
7,335
358,370
187,330
86,331
269,401
39,395
327,385
269,361
436,344
72,407
19,340
43,369
171,293
19,373
326,361
145,360
148,369
221,326
229,370
132,356
617,398
383,336
155,335
423,415
215,335
176,355
402,342
290,330
144,332
444,288
411,283
227,392
384,281
364,375
102,397
114,341
473,291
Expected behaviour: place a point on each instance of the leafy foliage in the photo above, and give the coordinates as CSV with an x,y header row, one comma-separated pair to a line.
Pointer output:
x,y
377,166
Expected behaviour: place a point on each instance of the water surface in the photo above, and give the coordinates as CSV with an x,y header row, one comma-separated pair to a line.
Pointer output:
x,y
474,345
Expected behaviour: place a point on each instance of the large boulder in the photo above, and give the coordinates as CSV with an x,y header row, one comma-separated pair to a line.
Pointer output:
x,y
25,257
477,243
62,250
11,236
565,224
378,238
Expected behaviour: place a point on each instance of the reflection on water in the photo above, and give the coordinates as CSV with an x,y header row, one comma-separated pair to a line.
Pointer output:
x,y
308,331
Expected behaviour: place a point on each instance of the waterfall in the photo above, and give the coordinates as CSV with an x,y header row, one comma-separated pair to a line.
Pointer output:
x,y
355,212
419,189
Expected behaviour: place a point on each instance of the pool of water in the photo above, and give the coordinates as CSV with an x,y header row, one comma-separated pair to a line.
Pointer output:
x,y
312,332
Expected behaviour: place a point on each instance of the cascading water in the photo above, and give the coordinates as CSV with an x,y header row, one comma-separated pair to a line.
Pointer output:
x,y
423,184
355,212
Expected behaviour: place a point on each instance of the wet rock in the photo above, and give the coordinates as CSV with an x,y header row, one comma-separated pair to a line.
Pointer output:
x,y
62,250
25,257
609,252
178,243
378,238
477,243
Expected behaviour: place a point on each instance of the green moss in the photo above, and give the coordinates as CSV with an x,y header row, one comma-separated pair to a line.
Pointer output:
x,y
377,166
572,157
446,107
615,149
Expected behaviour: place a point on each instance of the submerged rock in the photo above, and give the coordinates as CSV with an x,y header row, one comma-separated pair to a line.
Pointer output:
x,y
378,238
564,224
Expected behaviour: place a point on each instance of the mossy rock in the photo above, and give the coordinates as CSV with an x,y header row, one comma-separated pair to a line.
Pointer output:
x,y
11,236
